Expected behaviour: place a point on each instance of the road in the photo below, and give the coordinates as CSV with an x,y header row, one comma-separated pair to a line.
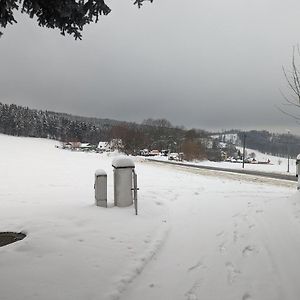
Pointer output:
x,y
236,171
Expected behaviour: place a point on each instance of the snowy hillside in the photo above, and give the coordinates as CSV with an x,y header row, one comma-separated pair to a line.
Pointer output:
x,y
228,138
199,234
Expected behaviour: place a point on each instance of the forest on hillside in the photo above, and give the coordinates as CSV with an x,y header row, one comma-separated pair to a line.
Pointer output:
x,y
272,143
153,134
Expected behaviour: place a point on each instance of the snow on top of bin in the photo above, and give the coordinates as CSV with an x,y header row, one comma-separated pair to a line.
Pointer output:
x,y
100,172
298,156
123,162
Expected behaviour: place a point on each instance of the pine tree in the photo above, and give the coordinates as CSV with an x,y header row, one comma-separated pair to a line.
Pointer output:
x,y
68,16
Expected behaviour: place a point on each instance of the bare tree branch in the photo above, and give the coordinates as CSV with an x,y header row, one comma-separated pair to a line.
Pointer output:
x,y
288,114
292,78
288,99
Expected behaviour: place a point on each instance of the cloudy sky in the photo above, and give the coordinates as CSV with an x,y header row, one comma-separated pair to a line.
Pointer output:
x,y
211,64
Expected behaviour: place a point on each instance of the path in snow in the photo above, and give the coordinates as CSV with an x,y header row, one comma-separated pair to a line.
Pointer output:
x,y
226,244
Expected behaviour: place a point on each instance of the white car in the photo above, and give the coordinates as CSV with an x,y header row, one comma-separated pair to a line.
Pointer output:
x,y
173,156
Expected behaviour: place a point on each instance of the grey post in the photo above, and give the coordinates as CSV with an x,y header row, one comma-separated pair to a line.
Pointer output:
x,y
298,171
101,188
123,181
135,189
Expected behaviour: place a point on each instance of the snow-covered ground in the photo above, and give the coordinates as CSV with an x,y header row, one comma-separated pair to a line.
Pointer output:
x,y
199,234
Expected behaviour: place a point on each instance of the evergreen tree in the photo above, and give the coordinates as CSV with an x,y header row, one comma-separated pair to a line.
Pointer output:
x,y
69,16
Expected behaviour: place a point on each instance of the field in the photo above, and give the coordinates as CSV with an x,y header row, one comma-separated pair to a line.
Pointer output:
x,y
199,234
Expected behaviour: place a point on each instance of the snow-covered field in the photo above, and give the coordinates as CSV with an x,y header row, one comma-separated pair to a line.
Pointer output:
x,y
199,234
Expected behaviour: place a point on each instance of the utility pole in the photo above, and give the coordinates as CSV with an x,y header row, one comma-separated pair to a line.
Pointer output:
x,y
288,168
244,146
288,151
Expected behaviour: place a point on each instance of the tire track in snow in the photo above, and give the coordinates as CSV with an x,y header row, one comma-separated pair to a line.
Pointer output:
x,y
154,247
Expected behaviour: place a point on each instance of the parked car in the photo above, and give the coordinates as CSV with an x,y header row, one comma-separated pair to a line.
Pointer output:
x,y
173,156
164,152
144,152
154,153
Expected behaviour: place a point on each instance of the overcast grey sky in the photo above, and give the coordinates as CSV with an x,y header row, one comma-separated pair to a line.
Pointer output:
x,y
211,64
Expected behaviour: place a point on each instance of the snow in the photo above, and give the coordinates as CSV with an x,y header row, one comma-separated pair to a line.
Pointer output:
x,y
199,234
100,172
123,162
228,138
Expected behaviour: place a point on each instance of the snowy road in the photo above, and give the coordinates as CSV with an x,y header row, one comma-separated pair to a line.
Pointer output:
x,y
244,177
261,173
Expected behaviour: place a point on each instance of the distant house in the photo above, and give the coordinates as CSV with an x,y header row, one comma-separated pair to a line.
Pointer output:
x,y
103,147
78,146
86,146
66,145
71,145
75,145
114,144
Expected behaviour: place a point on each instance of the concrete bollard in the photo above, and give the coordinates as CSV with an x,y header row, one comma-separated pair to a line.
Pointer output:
x,y
100,188
123,181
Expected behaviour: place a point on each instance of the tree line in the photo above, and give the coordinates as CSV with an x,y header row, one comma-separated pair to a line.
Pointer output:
x,y
272,143
151,134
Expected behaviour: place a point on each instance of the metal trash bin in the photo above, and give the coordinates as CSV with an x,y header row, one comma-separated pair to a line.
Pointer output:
x,y
100,188
123,181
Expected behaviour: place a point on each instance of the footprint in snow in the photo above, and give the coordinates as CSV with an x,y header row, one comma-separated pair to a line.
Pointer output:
x,y
248,250
191,294
235,236
232,272
246,297
236,215
222,247
174,198
196,266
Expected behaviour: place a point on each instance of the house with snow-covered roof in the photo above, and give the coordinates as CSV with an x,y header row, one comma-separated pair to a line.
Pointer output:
x,y
103,146
86,146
